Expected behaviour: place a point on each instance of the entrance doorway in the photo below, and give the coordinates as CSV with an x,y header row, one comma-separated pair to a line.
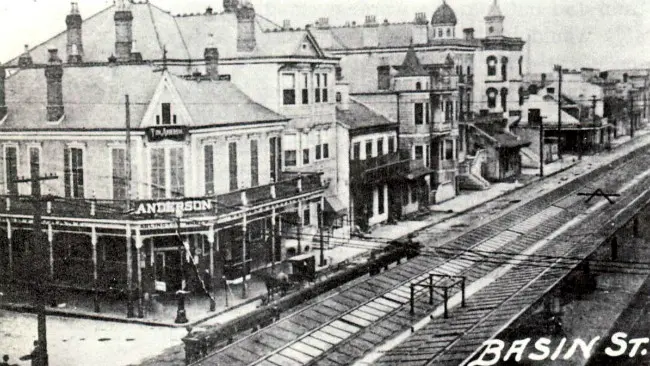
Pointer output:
x,y
167,266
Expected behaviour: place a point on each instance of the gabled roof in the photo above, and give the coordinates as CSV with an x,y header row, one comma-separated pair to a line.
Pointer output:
x,y
184,37
359,117
411,65
499,137
93,98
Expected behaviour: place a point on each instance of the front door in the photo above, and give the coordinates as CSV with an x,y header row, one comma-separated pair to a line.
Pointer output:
x,y
167,269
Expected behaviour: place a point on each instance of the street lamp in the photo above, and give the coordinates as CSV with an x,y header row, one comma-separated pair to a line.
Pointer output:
x,y
181,316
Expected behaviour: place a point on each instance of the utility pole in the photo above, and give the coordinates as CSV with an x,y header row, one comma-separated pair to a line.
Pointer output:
x,y
321,226
541,147
41,289
558,68
631,114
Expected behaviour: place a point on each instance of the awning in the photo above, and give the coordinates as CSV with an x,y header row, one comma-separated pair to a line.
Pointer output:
x,y
417,173
335,206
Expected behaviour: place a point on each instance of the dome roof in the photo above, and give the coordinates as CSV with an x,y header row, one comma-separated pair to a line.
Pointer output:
x,y
444,15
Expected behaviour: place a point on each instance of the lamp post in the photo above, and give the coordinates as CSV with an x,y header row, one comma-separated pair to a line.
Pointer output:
x,y
181,316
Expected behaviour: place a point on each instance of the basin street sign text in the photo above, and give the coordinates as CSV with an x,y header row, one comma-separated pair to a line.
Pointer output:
x,y
172,206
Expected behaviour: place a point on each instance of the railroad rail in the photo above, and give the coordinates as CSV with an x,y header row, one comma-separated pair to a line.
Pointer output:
x,y
356,322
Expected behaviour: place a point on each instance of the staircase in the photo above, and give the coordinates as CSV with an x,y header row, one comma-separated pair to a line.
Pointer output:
x,y
470,173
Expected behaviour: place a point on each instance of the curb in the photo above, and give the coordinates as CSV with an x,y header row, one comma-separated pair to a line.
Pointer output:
x,y
22,308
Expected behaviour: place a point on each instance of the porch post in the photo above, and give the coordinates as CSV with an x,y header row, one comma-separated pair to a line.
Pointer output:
x,y
50,238
273,240
299,227
213,305
129,274
10,251
244,228
93,242
138,250
215,247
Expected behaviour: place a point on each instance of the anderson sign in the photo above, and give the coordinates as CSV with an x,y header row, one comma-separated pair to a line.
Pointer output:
x,y
172,207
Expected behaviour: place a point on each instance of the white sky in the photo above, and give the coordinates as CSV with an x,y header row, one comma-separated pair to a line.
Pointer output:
x,y
574,33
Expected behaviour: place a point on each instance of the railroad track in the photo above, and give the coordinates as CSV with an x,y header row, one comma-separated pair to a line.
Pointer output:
x,y
349,324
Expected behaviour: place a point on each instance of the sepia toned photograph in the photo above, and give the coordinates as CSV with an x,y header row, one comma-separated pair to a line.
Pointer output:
x,y
342,182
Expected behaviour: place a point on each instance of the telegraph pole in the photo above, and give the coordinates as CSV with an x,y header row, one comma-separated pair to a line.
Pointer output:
x,y
321,226
558,68
40,352
631,114
541,147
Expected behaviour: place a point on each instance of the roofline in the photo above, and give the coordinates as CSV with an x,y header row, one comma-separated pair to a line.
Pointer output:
x,y
138,129
454,47
358,131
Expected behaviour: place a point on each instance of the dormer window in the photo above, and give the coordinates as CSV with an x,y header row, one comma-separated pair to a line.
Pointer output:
x,y
166,117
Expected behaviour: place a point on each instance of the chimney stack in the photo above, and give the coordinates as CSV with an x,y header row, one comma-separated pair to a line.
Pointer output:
x,y
211,55
3,101
371,20
421,18
74,48
25,60
469,33
323,23
209,10
230,6
54,76
286,24
123,32
246,28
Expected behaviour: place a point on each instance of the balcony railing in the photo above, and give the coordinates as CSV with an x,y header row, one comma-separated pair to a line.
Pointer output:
x,y
378,168
53,206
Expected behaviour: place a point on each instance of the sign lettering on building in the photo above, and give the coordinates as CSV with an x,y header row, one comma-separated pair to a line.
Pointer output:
x,y
159,133
172,206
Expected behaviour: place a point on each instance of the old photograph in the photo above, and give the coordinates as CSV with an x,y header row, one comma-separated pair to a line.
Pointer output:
x,y
342,182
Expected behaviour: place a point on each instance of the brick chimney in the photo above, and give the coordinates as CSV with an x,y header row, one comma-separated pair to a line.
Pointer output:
x,y
469,33
246,28
323,23
74,48
421,18
230,6
286,24
123,32
211,55
25,60
3,101
54,76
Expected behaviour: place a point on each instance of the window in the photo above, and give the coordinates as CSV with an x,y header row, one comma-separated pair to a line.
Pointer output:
x,y
326,151
469,70
325,90
118,160
305,88
11,169
419,152
158,183
421,113
288,89
380,200
274,157
504,99
317,90
449,111
449,150
339,97
491,29
368,149
380,147
321,88
319,155
290,158
208,168
306,219
414,193
34,161
492,98
232,165
439,32
356,151
166,114
391,144
383,77
305,156
448,32
176,172
255,178
418,86
491,66
521,65
73,172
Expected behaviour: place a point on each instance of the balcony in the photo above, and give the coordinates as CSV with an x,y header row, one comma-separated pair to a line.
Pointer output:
x,y
379,168
292,185
445,83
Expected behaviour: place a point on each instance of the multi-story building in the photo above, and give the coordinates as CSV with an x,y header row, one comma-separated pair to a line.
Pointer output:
x,y
286,72
459,76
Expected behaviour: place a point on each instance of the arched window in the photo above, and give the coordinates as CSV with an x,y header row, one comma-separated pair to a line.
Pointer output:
x,y
418,86
521,95
504,68
521,65
469,70
504,99
448,32
439,32
492,97
491,65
